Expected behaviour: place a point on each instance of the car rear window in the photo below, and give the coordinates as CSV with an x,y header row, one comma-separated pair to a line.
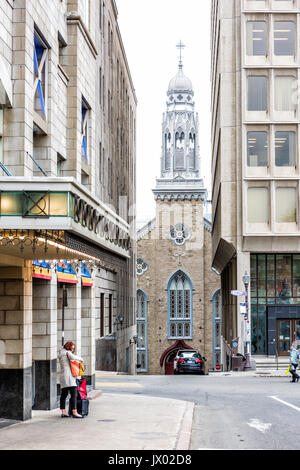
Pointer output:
x,y
190,354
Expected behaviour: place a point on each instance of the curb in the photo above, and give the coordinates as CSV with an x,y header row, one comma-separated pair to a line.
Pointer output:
x,y
185,431
93,394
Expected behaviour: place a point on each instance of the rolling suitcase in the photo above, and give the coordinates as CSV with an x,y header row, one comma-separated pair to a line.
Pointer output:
x,y
82,399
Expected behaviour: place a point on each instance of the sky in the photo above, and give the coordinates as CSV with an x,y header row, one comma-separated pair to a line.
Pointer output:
x,y
150,31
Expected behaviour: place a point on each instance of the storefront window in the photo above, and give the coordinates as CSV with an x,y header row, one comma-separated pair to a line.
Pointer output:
x,y
275,279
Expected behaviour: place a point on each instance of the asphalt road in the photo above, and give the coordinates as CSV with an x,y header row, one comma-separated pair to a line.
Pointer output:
x,y
231,412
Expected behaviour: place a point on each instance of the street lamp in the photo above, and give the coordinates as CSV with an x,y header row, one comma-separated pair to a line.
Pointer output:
x,y
246,281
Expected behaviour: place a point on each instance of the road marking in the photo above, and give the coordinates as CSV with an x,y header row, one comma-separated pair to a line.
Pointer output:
x,y
286,403
259,425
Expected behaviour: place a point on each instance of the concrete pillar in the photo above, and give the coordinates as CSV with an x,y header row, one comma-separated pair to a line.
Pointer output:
x,y
16,342
88,314
242,266
44,342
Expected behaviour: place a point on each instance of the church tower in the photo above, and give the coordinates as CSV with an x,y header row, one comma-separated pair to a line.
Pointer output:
x,y
175,284
180,160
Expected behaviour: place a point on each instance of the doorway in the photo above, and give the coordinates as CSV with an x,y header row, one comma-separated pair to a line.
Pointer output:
x,y
288,331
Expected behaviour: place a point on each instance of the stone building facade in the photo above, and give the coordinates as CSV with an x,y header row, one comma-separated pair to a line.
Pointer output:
x,y
255,170
175,282
67,157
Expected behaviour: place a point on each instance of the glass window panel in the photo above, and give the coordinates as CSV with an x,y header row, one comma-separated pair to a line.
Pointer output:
x,y
283,266
284,38
59,204
285,148
297,329
258,205
285,93
11,203
296,266
284,329
187,303
270,266
257,93
36,204
257,148
256,38
285,205
186,329
261,288
296,287
283,289
254,329
270,288
261,266
262,330
179,329
253,288
253,266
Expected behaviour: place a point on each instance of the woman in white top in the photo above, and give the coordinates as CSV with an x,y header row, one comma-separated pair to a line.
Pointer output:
x,y
67,381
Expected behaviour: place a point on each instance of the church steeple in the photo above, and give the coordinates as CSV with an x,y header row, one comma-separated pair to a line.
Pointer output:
x,y
180,159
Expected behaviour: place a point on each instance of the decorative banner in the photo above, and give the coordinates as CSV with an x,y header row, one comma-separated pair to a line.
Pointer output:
x,y
65,272
86,278
41,269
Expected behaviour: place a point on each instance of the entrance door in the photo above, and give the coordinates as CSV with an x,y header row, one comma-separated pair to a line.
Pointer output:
x,y
288,331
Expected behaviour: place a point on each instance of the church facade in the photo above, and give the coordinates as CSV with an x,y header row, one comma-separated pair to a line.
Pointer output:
x,y
175,282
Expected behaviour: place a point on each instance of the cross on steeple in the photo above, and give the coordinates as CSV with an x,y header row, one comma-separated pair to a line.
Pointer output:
x,y
180,46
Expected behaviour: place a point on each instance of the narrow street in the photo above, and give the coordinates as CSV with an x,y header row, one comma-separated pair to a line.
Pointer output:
x,y
231,412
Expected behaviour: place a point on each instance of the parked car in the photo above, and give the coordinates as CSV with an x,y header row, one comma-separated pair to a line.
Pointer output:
x,y
189,361
178,355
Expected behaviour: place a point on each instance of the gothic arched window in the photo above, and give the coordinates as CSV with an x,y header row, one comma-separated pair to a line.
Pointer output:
x,y
180,308
179,138
192,141
142,331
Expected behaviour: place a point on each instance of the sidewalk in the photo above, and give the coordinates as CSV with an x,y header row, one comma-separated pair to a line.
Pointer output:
x,y
252,373
115,422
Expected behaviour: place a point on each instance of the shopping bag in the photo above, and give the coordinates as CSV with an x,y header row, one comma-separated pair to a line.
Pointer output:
x,y
75,367
81,387
288,369
81,368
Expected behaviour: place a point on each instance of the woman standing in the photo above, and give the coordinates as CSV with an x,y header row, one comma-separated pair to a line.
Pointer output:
x,y
67,381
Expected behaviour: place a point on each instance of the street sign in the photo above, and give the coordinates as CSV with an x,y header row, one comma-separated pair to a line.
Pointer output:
x,y
243,310
237,292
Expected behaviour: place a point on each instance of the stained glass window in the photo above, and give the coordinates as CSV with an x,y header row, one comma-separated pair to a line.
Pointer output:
x,y
142,334
141,266
180,306
179,234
